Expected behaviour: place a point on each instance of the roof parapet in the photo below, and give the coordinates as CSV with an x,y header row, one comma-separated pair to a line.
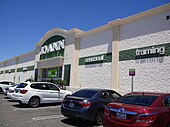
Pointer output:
x,y
142,15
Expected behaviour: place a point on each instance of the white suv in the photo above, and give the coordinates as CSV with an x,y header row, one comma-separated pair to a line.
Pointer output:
x,y
34,93
4,84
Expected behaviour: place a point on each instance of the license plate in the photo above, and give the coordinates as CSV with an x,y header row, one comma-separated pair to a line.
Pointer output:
x,y
71,105
121,115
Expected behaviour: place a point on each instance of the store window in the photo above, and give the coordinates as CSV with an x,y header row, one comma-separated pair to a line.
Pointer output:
x,y
52,73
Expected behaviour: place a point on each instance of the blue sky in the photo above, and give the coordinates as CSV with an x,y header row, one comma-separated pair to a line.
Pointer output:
x,y
24,22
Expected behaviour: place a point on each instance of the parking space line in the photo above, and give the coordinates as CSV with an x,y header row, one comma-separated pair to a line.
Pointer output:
x,y
39,108
47,117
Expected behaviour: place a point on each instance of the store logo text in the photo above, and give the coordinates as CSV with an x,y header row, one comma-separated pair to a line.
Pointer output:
x,y
152,50
53,47
93,59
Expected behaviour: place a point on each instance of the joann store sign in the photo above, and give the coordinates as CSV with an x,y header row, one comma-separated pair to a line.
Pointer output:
x,y
53,47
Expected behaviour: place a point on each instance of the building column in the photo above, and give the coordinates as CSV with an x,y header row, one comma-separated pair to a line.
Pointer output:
x,y
76,62
115,58
16,66
4,70
39,74
71,56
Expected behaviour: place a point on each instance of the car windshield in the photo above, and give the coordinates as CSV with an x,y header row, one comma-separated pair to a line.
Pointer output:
x,y
85,93
141,100
22,85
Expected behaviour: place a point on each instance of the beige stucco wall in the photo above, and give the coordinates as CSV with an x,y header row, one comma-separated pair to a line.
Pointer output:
x,y
95,75
152,74
24,61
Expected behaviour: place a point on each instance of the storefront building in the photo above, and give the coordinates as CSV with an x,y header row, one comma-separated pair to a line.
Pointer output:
x,y
55,56
102,57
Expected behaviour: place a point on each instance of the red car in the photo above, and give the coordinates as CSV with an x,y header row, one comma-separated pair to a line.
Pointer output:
x,y
139,109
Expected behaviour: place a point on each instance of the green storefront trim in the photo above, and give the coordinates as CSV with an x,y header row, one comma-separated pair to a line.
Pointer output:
x,y
19,69
67,71
127,55
29,68
9,71
107,58
1,72
54,53
131,53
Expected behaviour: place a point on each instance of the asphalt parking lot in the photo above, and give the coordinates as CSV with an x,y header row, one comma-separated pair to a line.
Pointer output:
x,y
14,115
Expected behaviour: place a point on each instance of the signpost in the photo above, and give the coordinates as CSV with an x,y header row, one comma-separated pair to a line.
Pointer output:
x,y
132,73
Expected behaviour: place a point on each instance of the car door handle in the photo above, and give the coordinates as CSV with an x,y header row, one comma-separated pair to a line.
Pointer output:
x,y
51,92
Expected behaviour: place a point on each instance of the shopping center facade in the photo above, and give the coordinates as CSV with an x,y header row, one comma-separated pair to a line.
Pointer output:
x,y
124,52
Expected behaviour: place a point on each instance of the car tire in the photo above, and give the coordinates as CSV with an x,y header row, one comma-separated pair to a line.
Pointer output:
x,y
20,102
34,102
99,117
168,125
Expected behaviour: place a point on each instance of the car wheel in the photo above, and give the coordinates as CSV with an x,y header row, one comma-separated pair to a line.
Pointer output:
x,y
99,117
20,102
34,102
168,125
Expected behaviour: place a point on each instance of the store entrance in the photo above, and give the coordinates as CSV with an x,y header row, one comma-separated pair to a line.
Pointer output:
x,y
51,74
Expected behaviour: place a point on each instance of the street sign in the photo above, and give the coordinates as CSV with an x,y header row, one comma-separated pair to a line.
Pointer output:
x,y
131,72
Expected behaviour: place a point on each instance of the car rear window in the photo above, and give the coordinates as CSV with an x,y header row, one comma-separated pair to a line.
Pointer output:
x,y
7,83
85,93
22,85
141,100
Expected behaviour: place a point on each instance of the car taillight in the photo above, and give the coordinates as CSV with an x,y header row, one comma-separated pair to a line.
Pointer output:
x,y
23,91
85,103
147,118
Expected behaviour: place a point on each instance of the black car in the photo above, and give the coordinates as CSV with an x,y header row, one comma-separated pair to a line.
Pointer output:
x,y
88,104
